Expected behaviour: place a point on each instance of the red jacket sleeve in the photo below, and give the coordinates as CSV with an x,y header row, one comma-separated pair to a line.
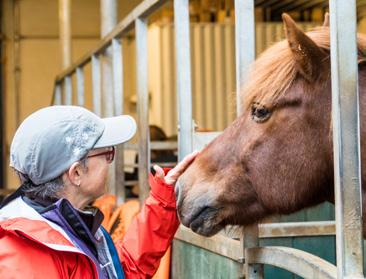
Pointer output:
x,y
150,233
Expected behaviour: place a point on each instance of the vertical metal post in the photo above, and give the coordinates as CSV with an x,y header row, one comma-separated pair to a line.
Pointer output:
x,y
117,76
80,86
96,85
142,106
65,32
244,43
245,56
108,14
108,22
108,10
68,90
250,239
184,83
58,94
118,110
346,138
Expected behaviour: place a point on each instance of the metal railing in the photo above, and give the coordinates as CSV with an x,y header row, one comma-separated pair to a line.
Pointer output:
x,y
63,85
346,144
346,138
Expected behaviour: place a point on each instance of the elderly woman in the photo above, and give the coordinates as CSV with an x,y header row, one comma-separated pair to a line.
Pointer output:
x,y
61,155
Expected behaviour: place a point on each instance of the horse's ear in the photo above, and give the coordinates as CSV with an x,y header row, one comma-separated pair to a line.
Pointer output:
x,y
307,54
326,20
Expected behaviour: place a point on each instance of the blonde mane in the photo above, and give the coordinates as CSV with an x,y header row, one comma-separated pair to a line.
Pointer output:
x,y
273,73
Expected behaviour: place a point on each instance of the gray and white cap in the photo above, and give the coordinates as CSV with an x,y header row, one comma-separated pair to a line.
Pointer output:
x,y
51,139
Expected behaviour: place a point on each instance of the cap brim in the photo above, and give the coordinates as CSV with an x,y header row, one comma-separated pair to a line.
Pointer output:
x,y
118,129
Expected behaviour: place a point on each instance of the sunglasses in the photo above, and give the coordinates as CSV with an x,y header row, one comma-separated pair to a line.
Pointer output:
x,y
109,155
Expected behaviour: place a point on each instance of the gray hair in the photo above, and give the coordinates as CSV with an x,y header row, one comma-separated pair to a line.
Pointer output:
x,y
50,190
46,191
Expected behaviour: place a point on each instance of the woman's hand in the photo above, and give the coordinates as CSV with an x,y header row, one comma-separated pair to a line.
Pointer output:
x,y
172,176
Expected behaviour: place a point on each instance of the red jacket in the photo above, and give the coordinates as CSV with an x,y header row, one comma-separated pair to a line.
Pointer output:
x,y
33,247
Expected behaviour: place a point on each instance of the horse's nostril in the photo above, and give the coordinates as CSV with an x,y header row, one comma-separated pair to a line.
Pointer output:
x,y
202,216
178,191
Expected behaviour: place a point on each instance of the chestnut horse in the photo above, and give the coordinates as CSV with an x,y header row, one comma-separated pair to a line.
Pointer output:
x,y
277,156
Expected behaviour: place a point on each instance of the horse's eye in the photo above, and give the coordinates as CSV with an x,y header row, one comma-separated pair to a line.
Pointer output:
x,y
260,113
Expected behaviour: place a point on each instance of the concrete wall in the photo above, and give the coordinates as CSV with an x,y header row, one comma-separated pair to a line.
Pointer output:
x,y
32,54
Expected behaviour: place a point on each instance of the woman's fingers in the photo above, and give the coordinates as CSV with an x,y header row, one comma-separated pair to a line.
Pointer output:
x,y
174,173
184,164
159,172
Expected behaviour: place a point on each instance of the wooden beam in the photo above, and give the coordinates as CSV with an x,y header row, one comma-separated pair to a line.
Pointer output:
x,y
269,3
281,5
304,4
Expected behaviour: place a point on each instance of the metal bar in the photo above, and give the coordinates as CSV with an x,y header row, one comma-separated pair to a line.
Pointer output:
x,y
65,32
108,15
244,42
231,248
346,138
80,86
118,110
57,99
296,229
142,107
68,91
108,10
250,239
183,76
97,106
245,56
117,76
144,9
296,261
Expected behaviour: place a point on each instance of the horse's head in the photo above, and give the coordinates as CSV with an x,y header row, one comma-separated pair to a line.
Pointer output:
x,y
276,157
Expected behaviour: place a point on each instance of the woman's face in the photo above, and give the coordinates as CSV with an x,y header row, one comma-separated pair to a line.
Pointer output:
x,y
94,180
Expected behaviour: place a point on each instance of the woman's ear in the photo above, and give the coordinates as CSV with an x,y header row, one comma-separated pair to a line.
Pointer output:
x,y
76,173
